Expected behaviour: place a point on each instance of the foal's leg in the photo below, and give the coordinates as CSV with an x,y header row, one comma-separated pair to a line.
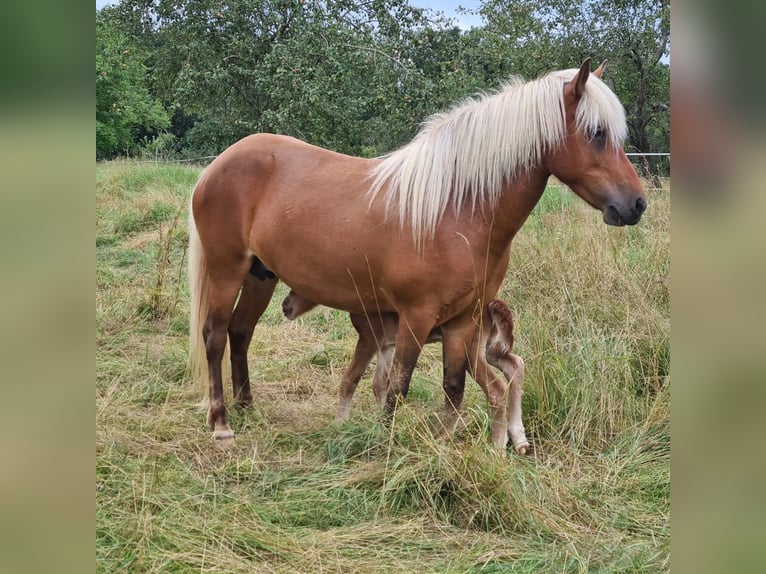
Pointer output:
x,y
224,286
496,391
512,367
383,366
498,327
383,328
253,300
366,347
494,388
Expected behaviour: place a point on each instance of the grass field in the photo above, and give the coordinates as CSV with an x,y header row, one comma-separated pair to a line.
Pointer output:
x,y
299,493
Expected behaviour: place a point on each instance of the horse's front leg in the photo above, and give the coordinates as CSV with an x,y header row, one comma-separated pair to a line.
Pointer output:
x,y
411,335
456,338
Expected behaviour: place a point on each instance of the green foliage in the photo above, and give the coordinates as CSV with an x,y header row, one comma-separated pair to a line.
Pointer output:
x,y
356,77
125,110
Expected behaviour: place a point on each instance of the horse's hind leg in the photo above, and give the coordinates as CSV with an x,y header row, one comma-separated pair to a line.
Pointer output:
x,y
253,300
223,293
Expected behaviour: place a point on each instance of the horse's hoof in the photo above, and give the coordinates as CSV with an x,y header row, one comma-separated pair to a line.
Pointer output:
x,y
522,448
244,402
224,437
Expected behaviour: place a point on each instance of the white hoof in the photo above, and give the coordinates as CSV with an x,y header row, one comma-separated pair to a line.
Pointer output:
x,y
223,436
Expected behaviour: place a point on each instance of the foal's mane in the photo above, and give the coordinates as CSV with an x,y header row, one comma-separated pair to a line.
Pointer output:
x,y
466,154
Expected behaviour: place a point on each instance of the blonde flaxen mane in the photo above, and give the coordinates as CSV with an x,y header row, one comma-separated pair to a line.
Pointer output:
x,y
465,155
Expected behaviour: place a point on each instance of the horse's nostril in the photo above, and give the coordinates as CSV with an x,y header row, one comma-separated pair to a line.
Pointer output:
x,y
640,205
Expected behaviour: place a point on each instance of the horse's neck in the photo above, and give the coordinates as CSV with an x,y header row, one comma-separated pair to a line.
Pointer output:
x,y
518,199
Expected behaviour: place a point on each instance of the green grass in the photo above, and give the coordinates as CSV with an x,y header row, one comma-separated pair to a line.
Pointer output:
x,y
300,493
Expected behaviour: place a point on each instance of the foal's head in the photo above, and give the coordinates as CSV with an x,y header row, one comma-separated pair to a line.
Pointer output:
x,y
591,160
293,306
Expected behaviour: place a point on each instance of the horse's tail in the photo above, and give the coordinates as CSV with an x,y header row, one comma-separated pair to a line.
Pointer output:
x,y
199,303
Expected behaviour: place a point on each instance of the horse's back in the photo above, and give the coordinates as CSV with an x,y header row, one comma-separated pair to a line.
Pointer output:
x,y
266,175
280,151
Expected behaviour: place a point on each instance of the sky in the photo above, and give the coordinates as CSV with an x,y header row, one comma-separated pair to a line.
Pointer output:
x,y
449,7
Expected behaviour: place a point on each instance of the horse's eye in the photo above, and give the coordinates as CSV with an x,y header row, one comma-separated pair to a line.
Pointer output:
x,y
599,134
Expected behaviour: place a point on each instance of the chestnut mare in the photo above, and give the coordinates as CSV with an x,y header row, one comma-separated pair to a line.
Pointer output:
x,y
424,232
493,340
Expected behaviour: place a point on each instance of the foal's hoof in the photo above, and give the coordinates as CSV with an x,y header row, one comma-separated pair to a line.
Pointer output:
x,y
522,448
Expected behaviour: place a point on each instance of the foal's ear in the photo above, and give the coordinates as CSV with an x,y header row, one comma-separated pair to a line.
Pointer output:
x,y
577,85
598,72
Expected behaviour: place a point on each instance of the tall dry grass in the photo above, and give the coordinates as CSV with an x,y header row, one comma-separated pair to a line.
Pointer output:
x,y
298,493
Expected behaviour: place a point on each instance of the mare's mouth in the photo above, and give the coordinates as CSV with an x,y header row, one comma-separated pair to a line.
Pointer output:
x,y
612,216
618,214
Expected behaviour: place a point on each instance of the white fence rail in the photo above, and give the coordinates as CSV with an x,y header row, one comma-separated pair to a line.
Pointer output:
x,y
207,157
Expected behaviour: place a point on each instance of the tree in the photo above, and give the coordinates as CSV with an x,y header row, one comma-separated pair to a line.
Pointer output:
x,y
356,76
125,110
334,73
634,35
637,40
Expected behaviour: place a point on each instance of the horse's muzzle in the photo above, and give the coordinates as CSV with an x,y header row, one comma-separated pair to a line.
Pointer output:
x,y
617,215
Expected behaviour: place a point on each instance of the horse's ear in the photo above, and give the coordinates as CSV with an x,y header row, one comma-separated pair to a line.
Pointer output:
x,y
578,82
598,72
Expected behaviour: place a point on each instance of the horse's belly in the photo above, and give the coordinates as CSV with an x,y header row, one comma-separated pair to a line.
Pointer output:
x,y
325,273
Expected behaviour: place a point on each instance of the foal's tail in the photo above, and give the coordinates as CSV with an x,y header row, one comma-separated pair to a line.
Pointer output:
x,y
199,303
500,339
